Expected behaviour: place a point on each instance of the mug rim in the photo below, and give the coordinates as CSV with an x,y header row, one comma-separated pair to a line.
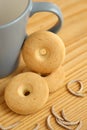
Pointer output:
x,y
29,5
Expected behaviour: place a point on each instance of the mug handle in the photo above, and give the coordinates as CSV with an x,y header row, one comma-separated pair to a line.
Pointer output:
x,y
49,7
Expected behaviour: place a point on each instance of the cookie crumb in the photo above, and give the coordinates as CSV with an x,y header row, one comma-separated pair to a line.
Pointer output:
x,y
9,127
55,114
78,93
66,121
48,123
63,125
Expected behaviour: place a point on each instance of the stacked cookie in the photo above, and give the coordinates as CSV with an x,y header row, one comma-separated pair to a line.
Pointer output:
x,y
43,53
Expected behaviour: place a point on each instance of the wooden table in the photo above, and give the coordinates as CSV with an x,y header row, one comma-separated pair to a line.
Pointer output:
x,y
74,35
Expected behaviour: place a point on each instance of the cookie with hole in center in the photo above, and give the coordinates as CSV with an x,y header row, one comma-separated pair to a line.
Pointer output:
x,y
26,93
43,52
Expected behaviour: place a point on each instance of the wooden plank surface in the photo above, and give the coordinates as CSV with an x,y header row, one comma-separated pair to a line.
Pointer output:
x,y
74,35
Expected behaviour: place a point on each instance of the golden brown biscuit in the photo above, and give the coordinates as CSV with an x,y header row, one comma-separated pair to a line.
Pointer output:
x,y
55,80
43,52
26,93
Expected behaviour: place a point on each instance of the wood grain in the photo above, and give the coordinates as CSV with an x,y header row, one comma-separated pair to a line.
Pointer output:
x,y
74,35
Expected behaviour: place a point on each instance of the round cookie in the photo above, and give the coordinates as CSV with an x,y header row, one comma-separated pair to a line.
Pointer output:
x,y
26,93
43,52
55,80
